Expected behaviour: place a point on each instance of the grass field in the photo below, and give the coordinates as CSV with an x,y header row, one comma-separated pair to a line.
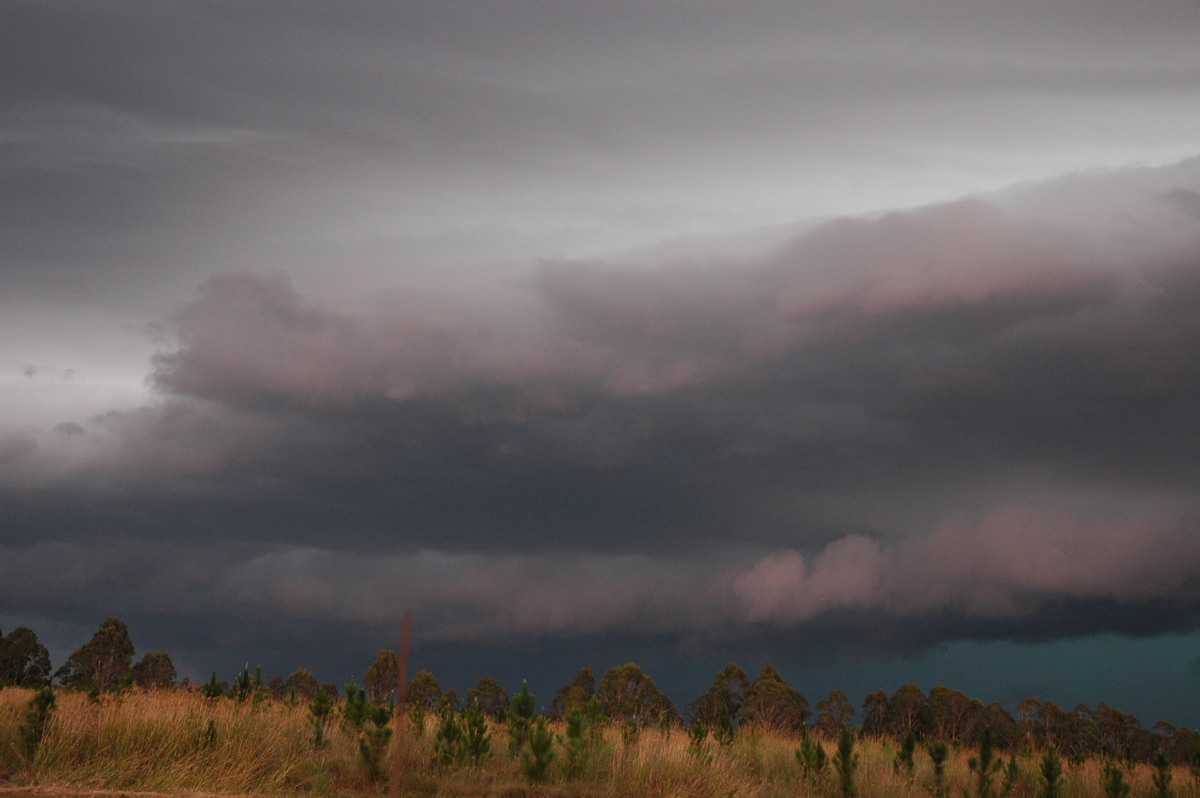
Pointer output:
x,y
177,742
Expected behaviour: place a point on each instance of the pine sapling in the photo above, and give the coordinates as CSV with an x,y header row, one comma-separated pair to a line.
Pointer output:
x,y
1012,771
477,738
576,744
904,763
450,740
630,731
318,711
1052,775
416,713
812,758
373,744
537,760
1114,782
845,762
595,719
938,752
1162,774
242,686
985,766
725,731
354,711
212,689
520,716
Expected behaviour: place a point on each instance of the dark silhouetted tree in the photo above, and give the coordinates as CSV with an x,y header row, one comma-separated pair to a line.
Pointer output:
x,y
103,662
1002,725
24,662
574,696
952,715
301,685
489,698
423,690
875,707
381,677
908,712
155,670
628,694
770,703
834,714
725,695
1116,731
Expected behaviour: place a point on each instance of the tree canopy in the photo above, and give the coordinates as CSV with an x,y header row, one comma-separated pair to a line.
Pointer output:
x,y
423,689
102,662
382,677
155,670
24,662
772,704
726,694
574,696
627,693
489,698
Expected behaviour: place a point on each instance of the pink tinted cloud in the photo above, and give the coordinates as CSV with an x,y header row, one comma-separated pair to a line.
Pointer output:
x,y
846,574
650,329
248,336
1005,562
963,252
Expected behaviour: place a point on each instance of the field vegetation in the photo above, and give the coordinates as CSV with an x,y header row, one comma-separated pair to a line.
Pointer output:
x,y
144,733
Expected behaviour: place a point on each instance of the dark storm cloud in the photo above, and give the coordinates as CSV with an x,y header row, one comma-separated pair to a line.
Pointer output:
x,y
146,144
974,411
974,419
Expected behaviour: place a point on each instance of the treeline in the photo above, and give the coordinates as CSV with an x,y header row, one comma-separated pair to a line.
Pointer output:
x,y
626,695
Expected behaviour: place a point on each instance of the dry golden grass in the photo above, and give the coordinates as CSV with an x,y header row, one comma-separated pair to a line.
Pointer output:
x,y
161,743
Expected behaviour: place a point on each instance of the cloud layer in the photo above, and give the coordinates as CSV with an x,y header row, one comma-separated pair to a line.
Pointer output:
x,y
978,413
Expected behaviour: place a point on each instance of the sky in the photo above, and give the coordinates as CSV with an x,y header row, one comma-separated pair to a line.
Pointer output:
x,y
857,338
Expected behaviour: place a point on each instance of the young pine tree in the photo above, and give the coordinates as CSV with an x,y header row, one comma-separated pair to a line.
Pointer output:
x,y
1162,774
476,736
537,760
724,732
1052,775
812,758
318,714
697,734
904,763
576,743
845,762
373,744
938,752
450,740
1012,771
1114,782
356,711
520,716
985,766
